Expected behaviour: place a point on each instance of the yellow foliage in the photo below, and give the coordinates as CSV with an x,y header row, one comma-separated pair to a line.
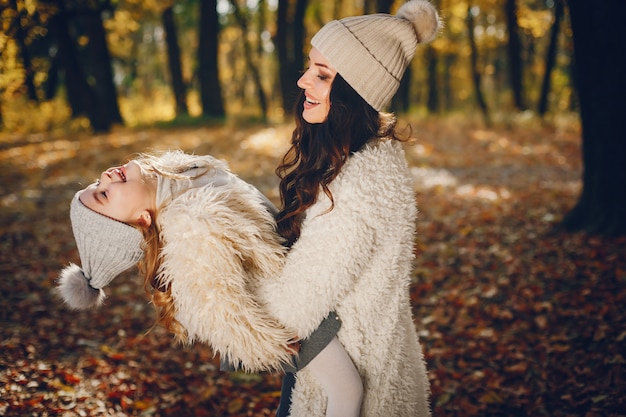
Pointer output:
x,y
535,22
83,40
141,110
12,72
19,116
30,6
122,23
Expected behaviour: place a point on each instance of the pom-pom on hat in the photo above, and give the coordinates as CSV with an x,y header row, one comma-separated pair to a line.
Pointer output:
x,y
372,52
106,247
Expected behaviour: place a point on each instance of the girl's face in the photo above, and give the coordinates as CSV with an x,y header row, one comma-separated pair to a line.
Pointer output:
x,y
316,83
122,193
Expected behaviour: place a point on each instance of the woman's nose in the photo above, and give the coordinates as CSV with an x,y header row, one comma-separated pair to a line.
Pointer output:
x,y
303,81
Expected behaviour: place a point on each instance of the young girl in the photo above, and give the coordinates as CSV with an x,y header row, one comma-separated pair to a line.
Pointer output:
x,y
206,244
349,211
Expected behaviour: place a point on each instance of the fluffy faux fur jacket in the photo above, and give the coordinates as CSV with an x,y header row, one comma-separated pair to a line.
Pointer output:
x,y
219,245
237,291
357,261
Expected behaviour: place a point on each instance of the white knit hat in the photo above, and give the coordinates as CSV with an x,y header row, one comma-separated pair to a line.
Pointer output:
x,y
106,247
372,52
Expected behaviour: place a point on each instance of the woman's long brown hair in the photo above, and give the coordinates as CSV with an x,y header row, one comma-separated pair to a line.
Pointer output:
x,y
319,151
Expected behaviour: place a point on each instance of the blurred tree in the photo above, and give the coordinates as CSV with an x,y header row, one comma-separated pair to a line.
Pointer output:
x,y
377,6
514,53
431,58
84,60
448,61
52,81
80,96
600,69
452,41
17,32
208,72
432,102
173,60
65,51
251,63
550,57
476,72
402,99
290,43
97,59
262,23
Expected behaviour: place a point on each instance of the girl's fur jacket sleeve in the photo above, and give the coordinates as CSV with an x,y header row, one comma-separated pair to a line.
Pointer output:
x,y
219,243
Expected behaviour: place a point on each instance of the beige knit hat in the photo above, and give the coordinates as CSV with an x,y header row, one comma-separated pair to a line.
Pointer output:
x,y
106,247
372,52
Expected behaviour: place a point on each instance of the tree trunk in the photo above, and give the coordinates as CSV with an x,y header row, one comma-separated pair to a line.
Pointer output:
x,y
550,58
20,39
376,6
262,25
514,52
290,48
383,6
432,102
173,60
250,61
449,61
80,96
476,78
51,84
99,64
401,101
600,66
208,73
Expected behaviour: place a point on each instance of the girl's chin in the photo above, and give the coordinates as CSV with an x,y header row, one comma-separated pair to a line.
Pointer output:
x,y
311,117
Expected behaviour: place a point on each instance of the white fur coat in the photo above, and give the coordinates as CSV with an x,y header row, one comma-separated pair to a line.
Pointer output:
x,y
357,261
224,262
219,244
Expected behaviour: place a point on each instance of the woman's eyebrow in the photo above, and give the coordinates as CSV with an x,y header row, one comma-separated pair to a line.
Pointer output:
x,y
316,64
319,64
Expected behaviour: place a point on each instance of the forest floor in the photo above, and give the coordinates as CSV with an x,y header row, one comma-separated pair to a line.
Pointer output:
x,y
517,318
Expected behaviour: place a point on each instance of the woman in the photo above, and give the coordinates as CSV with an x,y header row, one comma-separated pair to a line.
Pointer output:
x,y
206,243
349,211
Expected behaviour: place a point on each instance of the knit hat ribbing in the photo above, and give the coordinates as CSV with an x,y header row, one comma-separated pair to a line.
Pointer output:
x,y
106,247
372,52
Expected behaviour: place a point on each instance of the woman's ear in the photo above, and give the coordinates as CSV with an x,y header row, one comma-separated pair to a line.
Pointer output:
x,y
145,218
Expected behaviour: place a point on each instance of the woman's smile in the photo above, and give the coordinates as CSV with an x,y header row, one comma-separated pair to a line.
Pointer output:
x,y
316,82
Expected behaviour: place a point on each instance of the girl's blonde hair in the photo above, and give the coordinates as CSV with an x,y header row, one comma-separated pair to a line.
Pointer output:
x,y
169,165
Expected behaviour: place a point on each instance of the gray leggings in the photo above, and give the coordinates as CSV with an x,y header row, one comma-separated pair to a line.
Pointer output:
x,y
309,349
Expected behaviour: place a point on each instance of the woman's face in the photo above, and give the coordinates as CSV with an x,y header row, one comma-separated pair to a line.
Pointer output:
x,y
316,83
123,194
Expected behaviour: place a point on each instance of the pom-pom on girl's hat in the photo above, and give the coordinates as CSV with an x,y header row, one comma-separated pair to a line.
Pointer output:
x,y
106,247
372,52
